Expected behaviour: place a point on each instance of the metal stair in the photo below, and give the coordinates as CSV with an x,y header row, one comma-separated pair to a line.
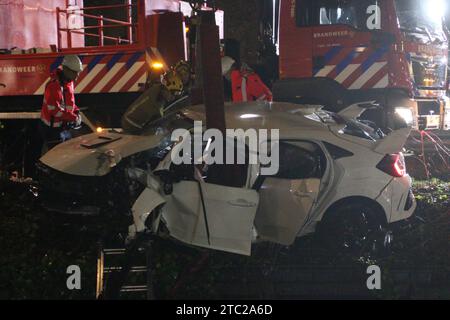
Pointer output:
x,y
124,273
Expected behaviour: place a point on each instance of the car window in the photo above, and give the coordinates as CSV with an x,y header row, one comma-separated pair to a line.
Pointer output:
x,y
358,129
301,160
237,173
325,117
337,152
214,173
166,125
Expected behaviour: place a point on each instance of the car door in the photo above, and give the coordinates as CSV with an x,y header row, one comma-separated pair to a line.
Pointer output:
x,y
287,199
211,210
212,216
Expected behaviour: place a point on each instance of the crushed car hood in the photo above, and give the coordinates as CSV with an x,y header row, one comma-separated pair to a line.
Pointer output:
x,y
96,154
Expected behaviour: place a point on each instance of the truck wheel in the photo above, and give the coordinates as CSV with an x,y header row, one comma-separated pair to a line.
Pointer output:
x,y
354,229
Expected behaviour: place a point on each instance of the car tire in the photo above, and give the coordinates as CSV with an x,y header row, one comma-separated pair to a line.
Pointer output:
x,y
356,230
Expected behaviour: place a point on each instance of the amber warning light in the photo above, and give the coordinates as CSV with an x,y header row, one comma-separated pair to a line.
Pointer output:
x,y
157,65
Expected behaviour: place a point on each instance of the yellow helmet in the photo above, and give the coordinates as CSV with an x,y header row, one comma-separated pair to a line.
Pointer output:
x,y
183,69
173,82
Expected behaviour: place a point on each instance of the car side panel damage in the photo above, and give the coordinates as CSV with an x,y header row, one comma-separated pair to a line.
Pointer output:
x,y
227,224
86,156
297,199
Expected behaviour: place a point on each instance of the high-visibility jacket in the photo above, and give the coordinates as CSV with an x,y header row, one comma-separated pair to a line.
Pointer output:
x,y
59,105
248,86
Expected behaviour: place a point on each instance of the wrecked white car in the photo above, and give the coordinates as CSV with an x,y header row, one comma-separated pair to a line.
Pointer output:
x,y
335,175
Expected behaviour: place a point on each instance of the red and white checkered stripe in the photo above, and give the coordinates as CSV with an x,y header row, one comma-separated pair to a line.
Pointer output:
x,y
117,78
356,69
375,77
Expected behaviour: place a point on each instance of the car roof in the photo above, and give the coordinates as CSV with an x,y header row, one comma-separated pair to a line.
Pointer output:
x,y
284,116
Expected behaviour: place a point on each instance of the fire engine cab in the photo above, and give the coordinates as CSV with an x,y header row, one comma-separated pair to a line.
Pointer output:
x,y
337,52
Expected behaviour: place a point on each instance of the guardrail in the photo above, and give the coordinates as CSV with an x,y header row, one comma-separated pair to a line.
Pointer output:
x,y
131,26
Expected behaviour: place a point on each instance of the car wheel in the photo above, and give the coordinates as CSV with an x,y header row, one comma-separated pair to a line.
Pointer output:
x,y
354,229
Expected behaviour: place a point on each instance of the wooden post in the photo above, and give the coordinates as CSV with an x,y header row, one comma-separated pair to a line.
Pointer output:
x,y
209,67
208,55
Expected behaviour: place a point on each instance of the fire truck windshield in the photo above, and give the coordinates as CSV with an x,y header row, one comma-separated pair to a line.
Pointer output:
x,y
359,14
422,17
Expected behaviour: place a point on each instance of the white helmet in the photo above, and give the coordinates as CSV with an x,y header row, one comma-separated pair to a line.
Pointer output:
x,y
73,63
227,63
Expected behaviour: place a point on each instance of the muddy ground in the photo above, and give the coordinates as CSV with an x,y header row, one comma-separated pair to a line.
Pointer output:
x,y
37,247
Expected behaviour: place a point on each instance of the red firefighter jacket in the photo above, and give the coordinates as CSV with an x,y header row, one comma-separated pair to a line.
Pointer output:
x,y
248,86
59,102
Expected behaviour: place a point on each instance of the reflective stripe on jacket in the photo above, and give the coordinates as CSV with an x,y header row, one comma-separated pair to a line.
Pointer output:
x,y
248,86
59,106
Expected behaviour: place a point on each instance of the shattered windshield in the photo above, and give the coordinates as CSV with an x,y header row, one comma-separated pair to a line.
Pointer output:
x,y
422,17
164,127
357,128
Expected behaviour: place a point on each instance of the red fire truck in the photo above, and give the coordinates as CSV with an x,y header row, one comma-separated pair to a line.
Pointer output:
x,y
37,34
122,45
338,52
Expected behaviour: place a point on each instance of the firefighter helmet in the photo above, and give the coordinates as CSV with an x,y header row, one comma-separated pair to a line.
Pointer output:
x,y
173,82
73,63
183,70
227,64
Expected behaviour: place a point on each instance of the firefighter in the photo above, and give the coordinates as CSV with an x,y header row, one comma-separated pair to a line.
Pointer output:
x,y
246,85
153,103
59,112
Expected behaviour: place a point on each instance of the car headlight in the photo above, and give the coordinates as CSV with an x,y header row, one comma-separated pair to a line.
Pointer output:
x,y
406,114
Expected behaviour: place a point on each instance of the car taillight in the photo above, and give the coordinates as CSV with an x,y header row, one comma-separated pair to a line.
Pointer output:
x,y
393,165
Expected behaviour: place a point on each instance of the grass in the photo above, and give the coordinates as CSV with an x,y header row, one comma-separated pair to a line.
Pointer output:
x,y
423,248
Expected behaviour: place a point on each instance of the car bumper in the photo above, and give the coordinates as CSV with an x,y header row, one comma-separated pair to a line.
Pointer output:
x,y
398,199
73,195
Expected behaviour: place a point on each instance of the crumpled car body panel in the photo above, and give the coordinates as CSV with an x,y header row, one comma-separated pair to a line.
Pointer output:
x,y
87,156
